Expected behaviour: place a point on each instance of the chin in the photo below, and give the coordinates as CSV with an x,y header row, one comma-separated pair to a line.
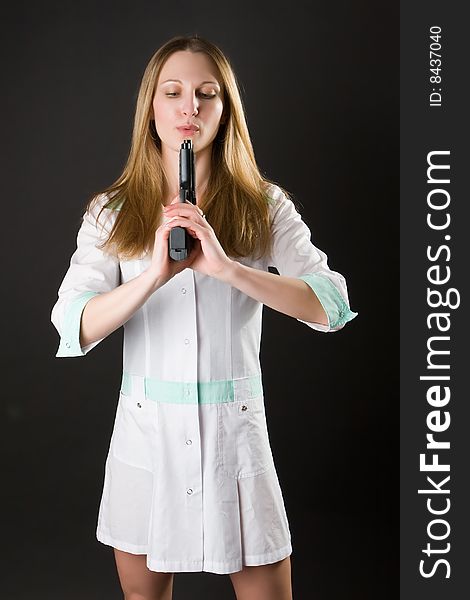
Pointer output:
x,y
198,144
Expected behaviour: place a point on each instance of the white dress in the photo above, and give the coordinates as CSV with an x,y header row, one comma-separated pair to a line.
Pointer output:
x,y
190,479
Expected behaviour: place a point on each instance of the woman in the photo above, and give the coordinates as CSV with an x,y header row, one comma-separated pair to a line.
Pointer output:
x,y
190,483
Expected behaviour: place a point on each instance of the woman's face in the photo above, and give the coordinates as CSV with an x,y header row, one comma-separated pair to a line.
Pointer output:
x,y
188,92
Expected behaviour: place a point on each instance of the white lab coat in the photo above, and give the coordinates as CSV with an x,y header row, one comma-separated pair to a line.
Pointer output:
x,y
190,479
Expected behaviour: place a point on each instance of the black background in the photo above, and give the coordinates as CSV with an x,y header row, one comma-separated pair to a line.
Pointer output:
x,y
320,85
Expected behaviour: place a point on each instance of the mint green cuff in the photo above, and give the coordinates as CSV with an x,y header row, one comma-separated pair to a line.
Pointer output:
x,y
334,305
70,338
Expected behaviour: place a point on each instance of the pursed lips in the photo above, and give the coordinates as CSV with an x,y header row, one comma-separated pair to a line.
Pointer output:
x,y
189,127
192,130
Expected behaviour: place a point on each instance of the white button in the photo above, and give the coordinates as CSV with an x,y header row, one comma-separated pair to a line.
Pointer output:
x,y
188,392
67,344
139,404
183,290
189,491
189,442
186,341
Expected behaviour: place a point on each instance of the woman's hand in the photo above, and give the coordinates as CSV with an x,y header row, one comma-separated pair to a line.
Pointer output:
x,y
162,268
207,255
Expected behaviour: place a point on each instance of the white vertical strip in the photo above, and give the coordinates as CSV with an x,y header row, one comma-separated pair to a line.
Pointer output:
x,y
139,268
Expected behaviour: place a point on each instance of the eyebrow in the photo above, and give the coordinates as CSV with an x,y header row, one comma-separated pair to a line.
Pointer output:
x,y
179,81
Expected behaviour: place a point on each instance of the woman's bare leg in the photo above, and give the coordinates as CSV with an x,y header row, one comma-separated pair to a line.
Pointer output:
x,y
265,582
138,582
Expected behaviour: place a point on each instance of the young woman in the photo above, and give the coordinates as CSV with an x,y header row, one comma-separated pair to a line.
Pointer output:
x,y
190,482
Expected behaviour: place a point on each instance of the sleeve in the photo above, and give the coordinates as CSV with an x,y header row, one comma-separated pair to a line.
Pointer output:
x,y
91,272
294,255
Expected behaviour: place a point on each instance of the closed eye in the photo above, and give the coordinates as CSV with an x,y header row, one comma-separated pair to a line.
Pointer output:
x,y
205,96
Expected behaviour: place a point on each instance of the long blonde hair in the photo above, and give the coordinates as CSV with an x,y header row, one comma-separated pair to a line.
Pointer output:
x,y
235,201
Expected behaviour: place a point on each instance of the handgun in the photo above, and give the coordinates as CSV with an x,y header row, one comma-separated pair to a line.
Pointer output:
x,y
180,241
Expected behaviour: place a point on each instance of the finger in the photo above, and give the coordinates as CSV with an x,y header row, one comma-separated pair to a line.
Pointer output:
x,y
186,213
187,223
198,210
165,233
162,236
182,208
178,221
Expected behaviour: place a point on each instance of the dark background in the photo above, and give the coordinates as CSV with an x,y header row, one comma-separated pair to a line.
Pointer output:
x,y
320,85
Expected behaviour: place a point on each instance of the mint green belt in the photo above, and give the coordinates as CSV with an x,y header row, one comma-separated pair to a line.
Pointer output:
x,y
195,392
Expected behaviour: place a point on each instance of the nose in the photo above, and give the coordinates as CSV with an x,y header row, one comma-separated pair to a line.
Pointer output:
x,y
190,105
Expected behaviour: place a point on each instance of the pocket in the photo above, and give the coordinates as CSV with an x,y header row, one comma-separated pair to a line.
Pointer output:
x,y
243,440
133,440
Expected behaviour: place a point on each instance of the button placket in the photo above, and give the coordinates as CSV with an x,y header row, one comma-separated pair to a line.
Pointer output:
x,y
189,395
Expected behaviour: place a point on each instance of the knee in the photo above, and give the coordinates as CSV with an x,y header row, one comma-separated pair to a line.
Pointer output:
x,y
138,582
162,594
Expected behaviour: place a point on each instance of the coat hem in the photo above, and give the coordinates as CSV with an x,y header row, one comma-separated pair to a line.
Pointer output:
x,y
219,568
106,539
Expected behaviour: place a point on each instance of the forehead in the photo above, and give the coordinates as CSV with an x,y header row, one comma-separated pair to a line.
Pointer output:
x,y
192,67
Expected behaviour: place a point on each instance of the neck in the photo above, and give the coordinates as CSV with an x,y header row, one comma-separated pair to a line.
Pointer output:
x,y
202,164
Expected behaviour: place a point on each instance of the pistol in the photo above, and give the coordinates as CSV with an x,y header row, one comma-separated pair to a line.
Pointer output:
x,y
180,241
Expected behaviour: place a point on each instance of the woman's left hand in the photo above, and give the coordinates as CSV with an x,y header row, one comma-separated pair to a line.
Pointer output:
x,y
209,256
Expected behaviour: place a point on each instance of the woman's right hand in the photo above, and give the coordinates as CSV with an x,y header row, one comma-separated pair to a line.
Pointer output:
x,y
162,268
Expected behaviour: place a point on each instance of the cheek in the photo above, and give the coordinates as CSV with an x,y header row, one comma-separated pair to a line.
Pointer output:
x,y
217,112
161,113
